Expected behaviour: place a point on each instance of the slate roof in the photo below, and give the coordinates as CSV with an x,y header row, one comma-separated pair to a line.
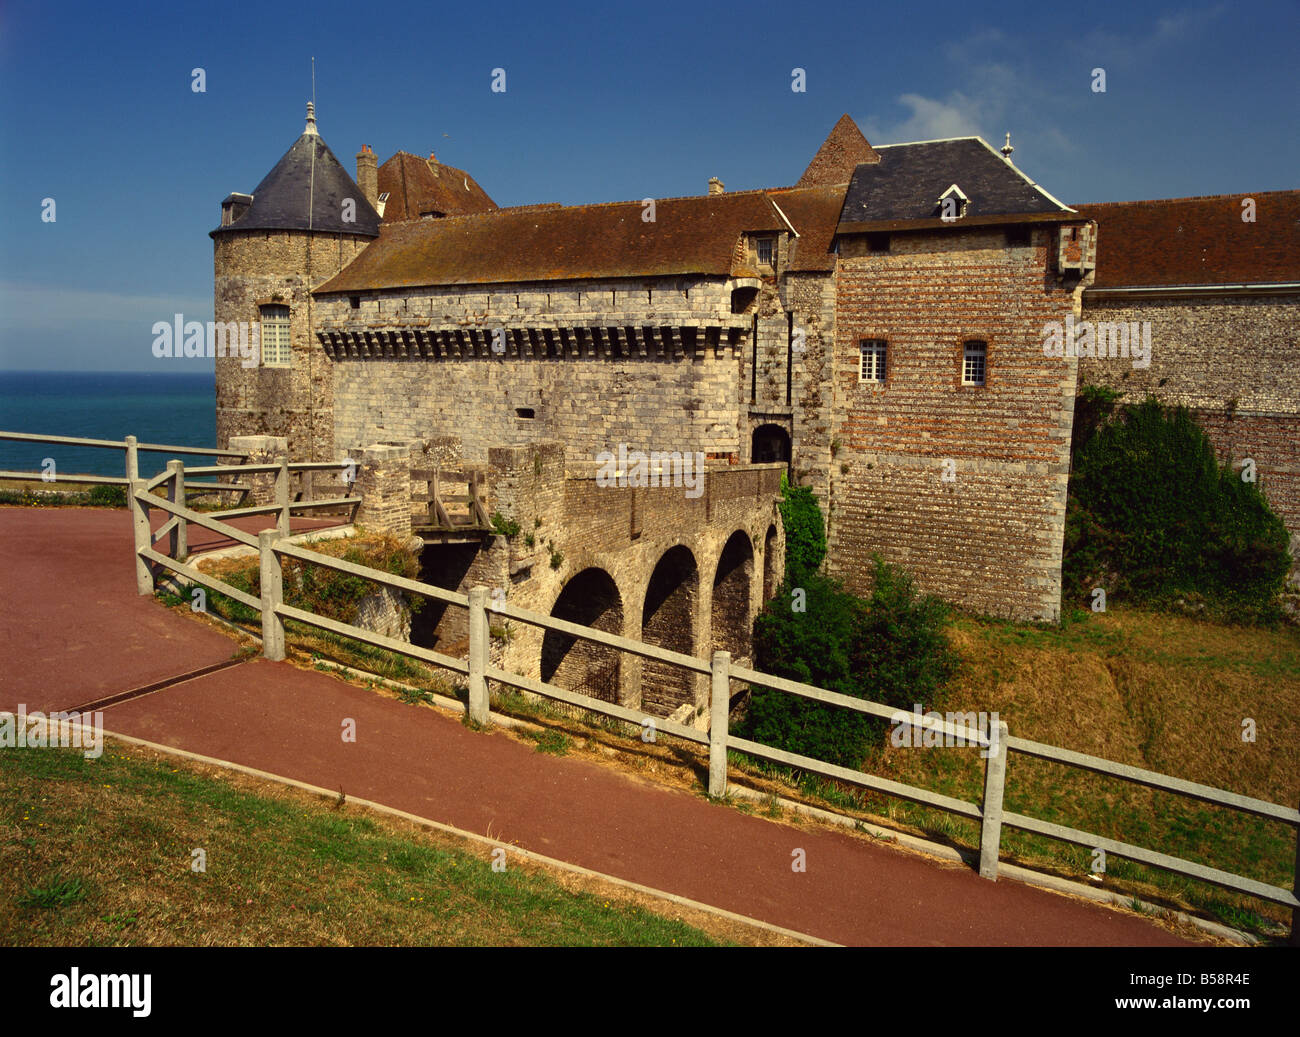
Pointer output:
x,y
305,191
903,188
694,235
843,150
1197,241
417,185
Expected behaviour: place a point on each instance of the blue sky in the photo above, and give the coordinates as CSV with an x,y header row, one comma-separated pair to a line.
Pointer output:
x,y
602,102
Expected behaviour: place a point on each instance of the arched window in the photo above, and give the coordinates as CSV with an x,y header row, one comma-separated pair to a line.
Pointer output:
x,y
275,336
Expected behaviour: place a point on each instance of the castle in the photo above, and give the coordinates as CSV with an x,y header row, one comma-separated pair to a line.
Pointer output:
x,y
878,327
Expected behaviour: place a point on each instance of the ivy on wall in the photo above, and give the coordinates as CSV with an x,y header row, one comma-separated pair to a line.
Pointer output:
x,y
1152,518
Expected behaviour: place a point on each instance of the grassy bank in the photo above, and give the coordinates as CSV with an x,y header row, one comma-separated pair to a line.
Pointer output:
x,y
99,852
1162,692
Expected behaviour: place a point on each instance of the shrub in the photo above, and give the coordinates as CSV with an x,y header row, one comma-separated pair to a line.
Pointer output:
x,y
503,526
1153,518
805,532
889,648
317,588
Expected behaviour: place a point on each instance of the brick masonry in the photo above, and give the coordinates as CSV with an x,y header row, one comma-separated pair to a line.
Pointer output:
x,y
989,539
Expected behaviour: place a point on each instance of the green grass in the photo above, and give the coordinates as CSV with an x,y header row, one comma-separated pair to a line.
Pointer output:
x,y
550,741
99,852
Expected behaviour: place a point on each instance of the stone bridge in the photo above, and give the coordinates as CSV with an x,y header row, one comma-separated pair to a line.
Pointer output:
x,y
684,567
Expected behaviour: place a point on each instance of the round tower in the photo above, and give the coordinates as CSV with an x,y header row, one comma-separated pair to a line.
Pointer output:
x,y
302,224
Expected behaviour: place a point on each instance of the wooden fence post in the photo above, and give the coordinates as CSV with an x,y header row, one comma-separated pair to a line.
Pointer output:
x,y
180,539
478,655
132,462
719,707
143,536
282,496
1295,911
272,595
995,777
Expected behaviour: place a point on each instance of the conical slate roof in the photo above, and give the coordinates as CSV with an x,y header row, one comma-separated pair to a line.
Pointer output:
x,y
306,191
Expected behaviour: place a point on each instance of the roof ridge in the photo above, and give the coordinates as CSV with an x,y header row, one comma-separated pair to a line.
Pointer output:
x,y
1192,198
937,140
557,207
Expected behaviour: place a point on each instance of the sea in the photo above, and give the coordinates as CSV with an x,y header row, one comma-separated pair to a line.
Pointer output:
x,y
170,409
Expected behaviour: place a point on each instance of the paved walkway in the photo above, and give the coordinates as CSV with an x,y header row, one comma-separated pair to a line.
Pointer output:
x,y
72,626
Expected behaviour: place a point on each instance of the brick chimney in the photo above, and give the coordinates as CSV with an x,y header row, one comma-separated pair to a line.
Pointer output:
x,y
716,186
368,174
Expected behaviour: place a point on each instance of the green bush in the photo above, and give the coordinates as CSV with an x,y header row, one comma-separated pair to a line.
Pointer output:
x,y
1154,519
887,648
805,532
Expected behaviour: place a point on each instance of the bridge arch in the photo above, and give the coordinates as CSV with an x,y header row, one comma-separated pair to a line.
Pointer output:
x,y
591,598
733,580
771,564
668,621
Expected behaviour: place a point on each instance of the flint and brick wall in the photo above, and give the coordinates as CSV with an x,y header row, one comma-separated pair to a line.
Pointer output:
x,y
991,539
1234,360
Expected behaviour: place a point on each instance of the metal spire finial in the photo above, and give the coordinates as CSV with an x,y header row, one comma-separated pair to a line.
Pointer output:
x,y
1007,149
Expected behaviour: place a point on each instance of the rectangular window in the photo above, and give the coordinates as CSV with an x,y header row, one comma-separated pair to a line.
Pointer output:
x,y
878,242
871,362
974,361
1018,237
275,336
766,248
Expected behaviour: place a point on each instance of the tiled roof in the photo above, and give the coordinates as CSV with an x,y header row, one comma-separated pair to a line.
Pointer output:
x,y
813,212
843,150
695,235
1197,241
305,191
905,185
416,185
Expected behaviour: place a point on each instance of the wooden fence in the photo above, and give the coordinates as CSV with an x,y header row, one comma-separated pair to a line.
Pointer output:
x,y
273,545
476,668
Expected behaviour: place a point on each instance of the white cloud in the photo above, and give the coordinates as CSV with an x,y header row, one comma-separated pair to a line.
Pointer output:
x,y
997,89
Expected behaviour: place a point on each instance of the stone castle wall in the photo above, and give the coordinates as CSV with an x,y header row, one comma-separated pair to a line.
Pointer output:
x,y
282,267
660,372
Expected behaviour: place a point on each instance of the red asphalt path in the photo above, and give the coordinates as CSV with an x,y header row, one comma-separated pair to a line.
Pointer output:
x,y
73,569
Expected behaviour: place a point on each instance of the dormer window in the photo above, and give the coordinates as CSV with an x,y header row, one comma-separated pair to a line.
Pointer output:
x,y
952,204
766,251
